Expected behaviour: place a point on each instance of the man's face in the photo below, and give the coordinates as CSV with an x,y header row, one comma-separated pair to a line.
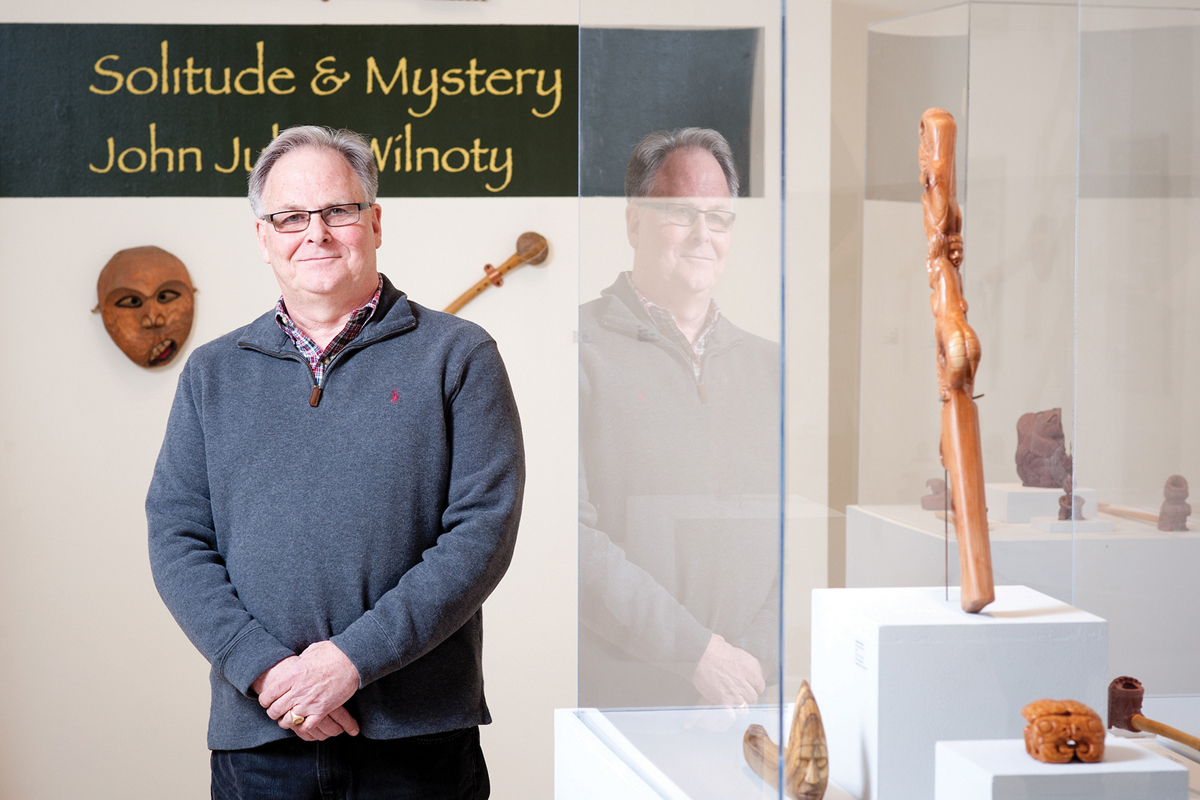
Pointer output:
x,y
146,302
671,259
319,260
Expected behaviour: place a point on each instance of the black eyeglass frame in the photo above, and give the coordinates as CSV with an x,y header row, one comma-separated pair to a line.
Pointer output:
x,y
696,212
359,208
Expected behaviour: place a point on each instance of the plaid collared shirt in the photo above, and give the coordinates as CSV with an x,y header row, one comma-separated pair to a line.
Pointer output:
x,y
664,321
317,358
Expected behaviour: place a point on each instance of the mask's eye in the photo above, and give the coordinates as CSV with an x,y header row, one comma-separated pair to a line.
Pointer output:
x,y
129,301
167,295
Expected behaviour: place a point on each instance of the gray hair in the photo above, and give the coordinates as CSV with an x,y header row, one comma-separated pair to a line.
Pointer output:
x,y
654,148
349,145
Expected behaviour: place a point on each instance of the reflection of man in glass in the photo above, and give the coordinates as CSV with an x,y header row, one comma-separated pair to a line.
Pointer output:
x,y
679,439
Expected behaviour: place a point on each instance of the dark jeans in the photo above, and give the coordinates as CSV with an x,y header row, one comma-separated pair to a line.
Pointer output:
x,y
436,767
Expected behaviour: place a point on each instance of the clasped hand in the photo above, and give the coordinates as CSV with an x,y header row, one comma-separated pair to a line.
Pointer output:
x,y
315,685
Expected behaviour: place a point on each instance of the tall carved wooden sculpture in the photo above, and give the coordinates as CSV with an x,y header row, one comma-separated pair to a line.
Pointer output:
x,y
957,357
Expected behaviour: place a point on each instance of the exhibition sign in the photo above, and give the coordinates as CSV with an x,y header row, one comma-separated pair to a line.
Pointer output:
x,y
183,110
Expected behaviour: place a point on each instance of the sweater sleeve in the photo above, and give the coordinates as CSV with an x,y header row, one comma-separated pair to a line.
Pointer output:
x,y
184,558
447,587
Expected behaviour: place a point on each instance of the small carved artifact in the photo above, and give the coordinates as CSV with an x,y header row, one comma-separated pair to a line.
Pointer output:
x,y
806,760
146,300
1060,730
532,248
1175,508
1042,458
937,500
957,357
1070,506
1125,712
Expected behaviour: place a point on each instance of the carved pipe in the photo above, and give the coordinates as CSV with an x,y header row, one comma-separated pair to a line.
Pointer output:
x,y
957,358
532,248
1125,712
806,758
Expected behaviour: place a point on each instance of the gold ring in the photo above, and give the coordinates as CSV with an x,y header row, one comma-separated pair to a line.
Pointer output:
x,y
297,719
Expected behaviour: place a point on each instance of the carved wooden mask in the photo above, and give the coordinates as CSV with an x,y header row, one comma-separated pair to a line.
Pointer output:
x,y
146,300
807,770
1060,730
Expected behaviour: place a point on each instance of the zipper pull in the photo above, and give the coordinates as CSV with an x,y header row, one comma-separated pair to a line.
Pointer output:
x,y
315,397
702,391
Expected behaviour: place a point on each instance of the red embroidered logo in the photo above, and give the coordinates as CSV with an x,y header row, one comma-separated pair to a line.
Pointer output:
x,y
395,395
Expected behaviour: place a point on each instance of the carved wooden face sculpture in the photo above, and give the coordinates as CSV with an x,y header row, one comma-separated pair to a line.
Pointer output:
x,y
146,300
1060,730
807,771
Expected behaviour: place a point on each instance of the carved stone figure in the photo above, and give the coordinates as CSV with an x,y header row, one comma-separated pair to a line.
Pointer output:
x,y
1060,730
1042,458
146,300
958,355
937,500
1070,506
806,765
1175,509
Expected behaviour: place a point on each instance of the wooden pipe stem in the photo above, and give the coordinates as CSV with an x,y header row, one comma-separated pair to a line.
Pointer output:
x,y
1166,731
1128,513
532,248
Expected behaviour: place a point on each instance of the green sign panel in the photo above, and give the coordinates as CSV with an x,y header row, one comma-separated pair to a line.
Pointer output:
x,y
183,110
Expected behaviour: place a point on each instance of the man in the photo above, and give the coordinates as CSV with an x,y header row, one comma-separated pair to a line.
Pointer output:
x,y
679,444
337,493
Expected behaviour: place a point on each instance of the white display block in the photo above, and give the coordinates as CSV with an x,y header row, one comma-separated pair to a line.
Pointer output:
x,y
1056,525
1152,633
896,670
1015,502
1000,769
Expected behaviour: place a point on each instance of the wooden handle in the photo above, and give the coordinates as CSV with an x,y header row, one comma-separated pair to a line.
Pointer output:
x,y
1129,513
532,248
1166,731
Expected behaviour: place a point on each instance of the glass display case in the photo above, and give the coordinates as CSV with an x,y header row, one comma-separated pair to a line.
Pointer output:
x,y
1078,175
688,532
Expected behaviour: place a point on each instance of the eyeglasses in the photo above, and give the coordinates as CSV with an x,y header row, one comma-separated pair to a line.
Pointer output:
x,y
333,216
680,214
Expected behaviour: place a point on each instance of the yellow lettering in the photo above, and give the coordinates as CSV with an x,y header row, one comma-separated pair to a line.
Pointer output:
x,y
555,90
208,82
247,160
478,151
121,159
408,147
373,74
381,158
260,89
155,150
192,71
153,81
165,89
397,169
471,73
275,131
498,75
520,74
466,159
325,76
176,73
185,150
421,151
506,166
111,150
431,90
455,80
118,77
281,74
237,148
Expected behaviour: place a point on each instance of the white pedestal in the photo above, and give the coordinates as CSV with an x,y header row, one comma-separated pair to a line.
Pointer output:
x,y
1153,632
1015,502
1002,770
896,670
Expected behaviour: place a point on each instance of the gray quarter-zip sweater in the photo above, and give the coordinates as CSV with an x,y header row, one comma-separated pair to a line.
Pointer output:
x,y
380,519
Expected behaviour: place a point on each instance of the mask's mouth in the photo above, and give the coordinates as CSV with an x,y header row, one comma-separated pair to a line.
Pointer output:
x,y
161,353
